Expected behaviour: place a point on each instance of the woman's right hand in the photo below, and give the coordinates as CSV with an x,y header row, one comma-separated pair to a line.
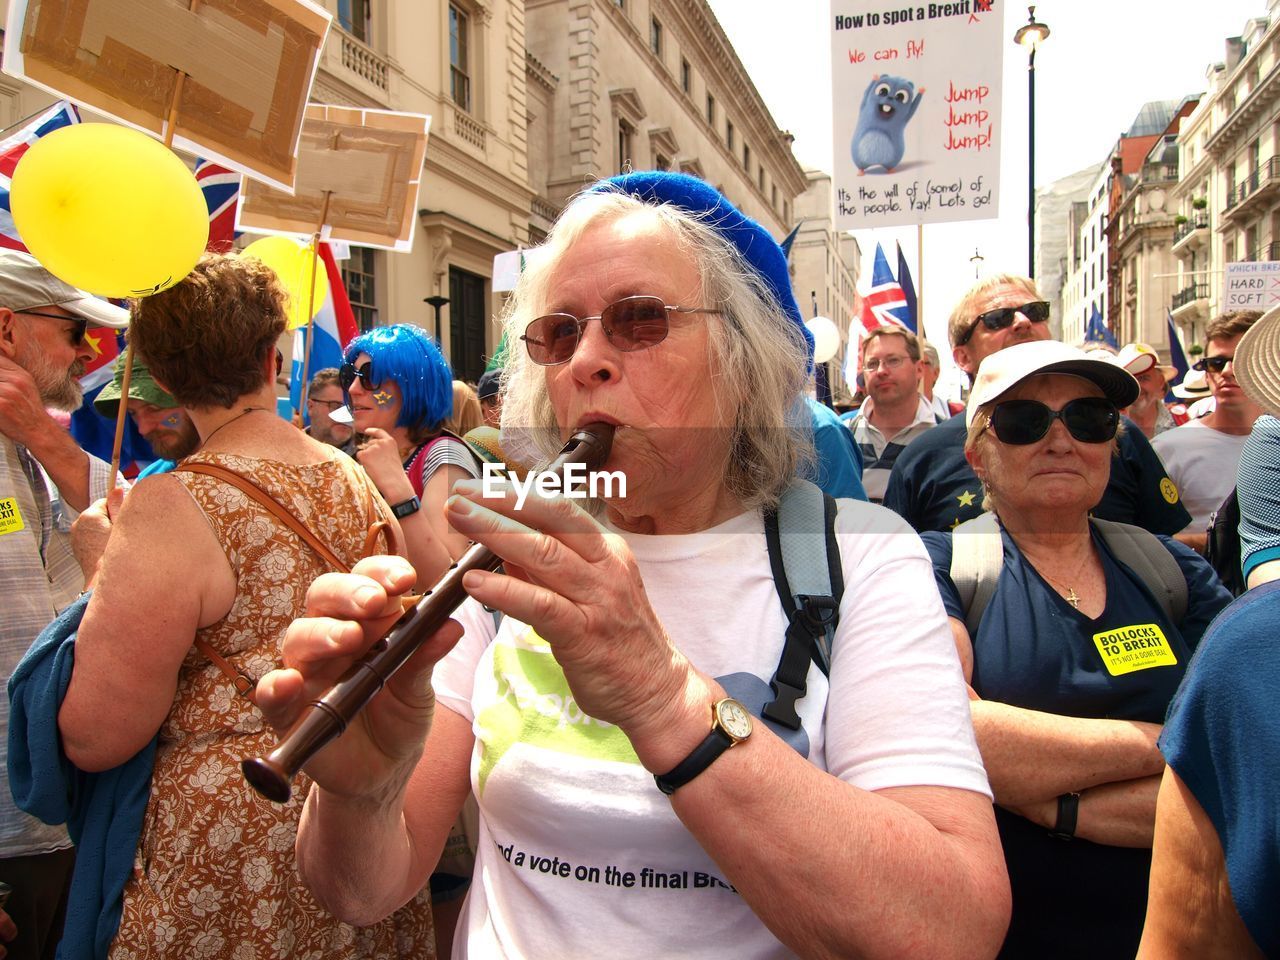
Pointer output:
x,y
380,457
345,615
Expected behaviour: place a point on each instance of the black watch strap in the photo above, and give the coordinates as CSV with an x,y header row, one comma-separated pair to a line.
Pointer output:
x,y
406,508
1068,812
704,754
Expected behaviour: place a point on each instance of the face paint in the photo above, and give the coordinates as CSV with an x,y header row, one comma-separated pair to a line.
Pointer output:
x,y
382,398
171,421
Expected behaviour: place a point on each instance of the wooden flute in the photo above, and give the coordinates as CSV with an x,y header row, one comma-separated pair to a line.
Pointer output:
x,y
325,719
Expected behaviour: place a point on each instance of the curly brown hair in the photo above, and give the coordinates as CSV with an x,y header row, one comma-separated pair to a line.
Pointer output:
x,y
205,337
1230,325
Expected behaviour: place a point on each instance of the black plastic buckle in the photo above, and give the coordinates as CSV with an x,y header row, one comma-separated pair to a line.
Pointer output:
x,y
782,708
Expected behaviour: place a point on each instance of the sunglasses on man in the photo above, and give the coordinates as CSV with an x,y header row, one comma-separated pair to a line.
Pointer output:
x,y
78,331
1212,364
1022,422
349,373
1037,311
632,323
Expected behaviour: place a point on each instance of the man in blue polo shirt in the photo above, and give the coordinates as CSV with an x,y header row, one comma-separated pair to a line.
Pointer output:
x,y
931,485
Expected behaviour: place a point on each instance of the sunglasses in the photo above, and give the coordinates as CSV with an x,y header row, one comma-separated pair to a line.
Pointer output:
x,y
348,374
1037,311
1088,419
1212,364
77,332
632,323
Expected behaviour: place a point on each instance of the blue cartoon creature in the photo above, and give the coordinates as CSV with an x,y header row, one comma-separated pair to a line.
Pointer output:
x,y
879,139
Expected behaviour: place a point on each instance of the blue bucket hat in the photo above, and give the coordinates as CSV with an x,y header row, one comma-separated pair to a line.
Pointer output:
x,y
757,247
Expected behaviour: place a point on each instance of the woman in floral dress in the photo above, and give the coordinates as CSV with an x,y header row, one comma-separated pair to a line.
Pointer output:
x,y
196,571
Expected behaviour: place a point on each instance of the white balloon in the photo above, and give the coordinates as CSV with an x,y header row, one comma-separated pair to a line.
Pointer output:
x,y
826,338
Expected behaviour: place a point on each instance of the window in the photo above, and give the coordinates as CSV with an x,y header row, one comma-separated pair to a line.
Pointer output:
x,y
761,178
746,158
662,163
728,133
773,196
355,16
655,36
625,132
686,81
711,110
358,276
459,57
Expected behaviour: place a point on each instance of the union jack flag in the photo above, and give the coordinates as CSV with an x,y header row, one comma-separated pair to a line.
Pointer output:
x,y
885,305
221,189
13,148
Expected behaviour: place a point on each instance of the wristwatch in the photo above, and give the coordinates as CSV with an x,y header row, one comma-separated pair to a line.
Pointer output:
x,y
1068,811
730,724
406,508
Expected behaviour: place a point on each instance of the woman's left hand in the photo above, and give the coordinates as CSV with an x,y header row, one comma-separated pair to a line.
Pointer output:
x,y
578,586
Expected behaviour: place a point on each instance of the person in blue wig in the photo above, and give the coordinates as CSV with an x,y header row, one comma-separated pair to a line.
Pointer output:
x,y
638,796
399,389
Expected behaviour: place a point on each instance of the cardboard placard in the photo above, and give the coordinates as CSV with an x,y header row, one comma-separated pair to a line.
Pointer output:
x,y
369,162
248,66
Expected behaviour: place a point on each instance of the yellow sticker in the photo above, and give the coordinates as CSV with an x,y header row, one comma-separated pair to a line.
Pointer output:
x,y
10,517
1169,490
1137,647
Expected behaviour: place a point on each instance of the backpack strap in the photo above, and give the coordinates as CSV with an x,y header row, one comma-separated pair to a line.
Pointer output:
x,y
805,560
1143,553
977,556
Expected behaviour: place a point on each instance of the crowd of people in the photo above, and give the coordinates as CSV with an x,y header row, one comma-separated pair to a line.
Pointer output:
x,y
927,680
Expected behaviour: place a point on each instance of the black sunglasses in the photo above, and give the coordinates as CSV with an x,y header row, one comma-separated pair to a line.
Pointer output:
x,y
632,323
77,332
1213,364
349,373
1037,311
1088,419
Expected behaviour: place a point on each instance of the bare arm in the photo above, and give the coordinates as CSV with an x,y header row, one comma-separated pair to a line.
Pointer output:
x,y
163,575
1196,541
425,548
1119,814
434,495
1033,757
401,834
1190,913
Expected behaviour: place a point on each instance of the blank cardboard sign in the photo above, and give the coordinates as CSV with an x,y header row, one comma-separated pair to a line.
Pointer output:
x,y
248,65
368,162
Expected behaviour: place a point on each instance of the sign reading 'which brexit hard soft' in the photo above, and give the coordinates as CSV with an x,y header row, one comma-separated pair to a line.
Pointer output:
x,y
916,94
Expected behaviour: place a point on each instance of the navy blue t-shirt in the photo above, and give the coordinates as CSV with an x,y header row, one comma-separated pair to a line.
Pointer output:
x,y
1034,650
1223,739
933,488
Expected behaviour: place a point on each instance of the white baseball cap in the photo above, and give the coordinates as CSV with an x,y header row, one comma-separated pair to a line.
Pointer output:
x,y
1140,357
26,285
1005,369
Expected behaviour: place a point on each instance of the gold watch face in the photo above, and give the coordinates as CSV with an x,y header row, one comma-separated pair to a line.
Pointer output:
x,y
734,719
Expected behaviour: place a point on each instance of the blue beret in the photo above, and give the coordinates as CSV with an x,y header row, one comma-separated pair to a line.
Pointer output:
x,y
760,251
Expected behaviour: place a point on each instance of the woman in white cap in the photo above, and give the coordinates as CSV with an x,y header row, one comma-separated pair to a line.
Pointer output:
x,y
1071,658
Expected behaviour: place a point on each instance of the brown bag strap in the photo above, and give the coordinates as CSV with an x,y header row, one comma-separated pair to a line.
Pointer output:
x,y
255,492
244,684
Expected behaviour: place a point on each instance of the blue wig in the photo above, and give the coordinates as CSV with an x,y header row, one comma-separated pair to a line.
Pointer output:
x,y
404,353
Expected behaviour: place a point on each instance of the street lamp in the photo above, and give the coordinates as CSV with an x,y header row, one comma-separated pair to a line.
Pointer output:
x,y
1030,35
976,260
436,303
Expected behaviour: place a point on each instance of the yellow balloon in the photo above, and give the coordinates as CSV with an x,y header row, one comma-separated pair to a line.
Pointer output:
x,y
110,210
293,263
